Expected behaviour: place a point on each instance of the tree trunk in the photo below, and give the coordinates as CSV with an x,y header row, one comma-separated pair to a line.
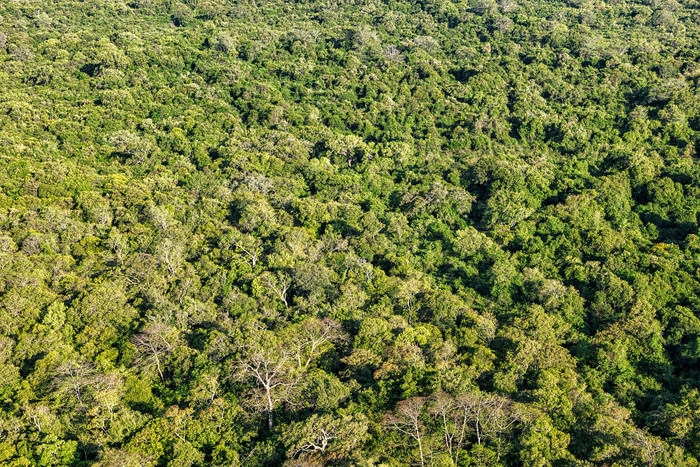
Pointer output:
x,y
269,410
420,448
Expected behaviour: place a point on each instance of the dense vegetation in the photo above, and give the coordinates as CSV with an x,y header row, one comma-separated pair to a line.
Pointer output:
x,y
349,233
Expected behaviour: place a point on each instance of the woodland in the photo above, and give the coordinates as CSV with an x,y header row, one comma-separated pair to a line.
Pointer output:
x,y
357,233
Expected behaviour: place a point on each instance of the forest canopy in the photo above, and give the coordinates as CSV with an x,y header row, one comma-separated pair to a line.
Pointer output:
x,y
431,232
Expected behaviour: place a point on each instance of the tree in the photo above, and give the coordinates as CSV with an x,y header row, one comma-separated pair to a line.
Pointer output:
x,y
648,445
488,417
279,284
131,145
453,422
311,338
407,293
322,434
154,343
223,42
251,248
346,148
269,365
406,420
119,245
535,339
506,208
123,458
74,378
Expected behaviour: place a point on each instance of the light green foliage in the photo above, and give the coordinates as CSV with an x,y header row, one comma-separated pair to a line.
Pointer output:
x,y
543,445
389,233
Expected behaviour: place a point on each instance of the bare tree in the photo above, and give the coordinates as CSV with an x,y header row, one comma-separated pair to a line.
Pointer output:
x,y
501,417
108,391
40,416
319,442
73,378
154,343
488,416
268,366
171,253
454,423
132,145
327,435
648,446
406,420
487,324
250,247
252,250
475,408
364,266
407,294
279,284
392,53
119,245
313,337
